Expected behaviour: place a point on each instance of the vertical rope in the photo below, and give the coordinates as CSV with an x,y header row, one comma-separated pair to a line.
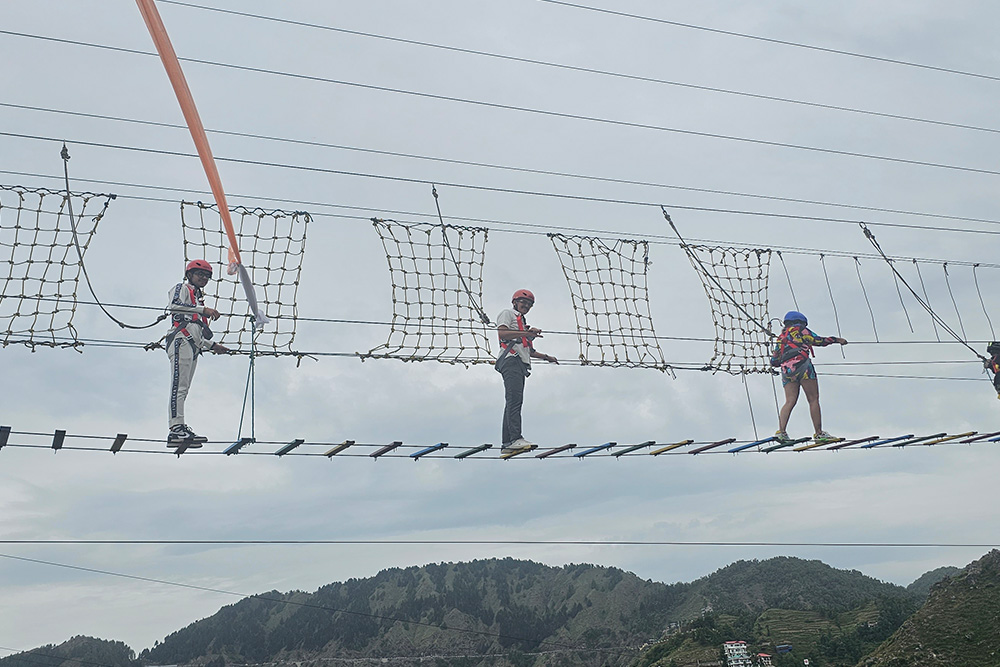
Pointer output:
x,y
836,317
788,279
993,335
899,293
774,390
753,421
857,267
947,282
927,299
248,391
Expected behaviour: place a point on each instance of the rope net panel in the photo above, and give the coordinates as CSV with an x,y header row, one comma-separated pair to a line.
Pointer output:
x,y
607,285
272,245
735,281
436,273
38,298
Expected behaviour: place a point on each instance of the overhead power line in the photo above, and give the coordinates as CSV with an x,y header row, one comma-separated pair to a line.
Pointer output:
x,y
527,170
529,110
578,68
585,543
800,45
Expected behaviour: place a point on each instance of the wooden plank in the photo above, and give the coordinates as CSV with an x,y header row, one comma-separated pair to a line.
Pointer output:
x,y
661,450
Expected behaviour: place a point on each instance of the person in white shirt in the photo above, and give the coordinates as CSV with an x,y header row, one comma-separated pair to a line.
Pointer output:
x,y
514,363
188,337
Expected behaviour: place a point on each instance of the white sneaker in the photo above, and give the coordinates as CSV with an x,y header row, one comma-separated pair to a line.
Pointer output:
x,y
518,446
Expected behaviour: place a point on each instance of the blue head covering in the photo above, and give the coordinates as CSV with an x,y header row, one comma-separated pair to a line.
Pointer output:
x,y
796,316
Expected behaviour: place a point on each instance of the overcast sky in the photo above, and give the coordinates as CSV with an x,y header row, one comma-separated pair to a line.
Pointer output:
x,y
938,494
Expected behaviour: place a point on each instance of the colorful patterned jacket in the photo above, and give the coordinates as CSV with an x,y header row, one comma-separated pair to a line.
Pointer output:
x,y
795,345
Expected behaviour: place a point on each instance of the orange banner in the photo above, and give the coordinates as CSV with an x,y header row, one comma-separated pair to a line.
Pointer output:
x,y
166,50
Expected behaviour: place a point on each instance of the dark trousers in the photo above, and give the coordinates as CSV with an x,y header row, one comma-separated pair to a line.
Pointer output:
x,y
514,371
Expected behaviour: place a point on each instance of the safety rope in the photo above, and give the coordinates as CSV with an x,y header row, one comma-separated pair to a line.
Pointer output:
x,y
753,422
899,293
981,302
248,391
934,316
788,279
694,258
458,269
83,267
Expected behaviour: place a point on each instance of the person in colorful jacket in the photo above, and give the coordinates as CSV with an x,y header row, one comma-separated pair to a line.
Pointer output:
x,y
792,352
993,364
514,363
188,337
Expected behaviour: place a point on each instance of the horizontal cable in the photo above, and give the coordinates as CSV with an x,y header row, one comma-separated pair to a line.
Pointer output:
x,y
536,193
527,170
529,110
812,47
595,543
577,68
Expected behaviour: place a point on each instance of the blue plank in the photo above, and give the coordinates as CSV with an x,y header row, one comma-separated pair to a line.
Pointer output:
x,y
428,450
607,445
885,441
749,445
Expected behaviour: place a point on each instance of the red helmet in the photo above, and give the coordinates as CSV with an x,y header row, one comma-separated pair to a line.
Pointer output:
x,y
199,264
523,294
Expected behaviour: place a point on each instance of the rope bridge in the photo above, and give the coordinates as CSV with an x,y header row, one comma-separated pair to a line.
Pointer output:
x,y
38,297
610,301
273,244
436,271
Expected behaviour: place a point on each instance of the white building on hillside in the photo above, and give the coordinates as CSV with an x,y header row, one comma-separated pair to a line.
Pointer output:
x,y
737,654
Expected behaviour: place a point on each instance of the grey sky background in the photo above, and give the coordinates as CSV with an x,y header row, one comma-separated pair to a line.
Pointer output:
x,y
939,494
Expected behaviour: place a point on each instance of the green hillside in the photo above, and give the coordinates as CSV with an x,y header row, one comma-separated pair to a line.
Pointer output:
x,y
922,586
74,653
506,612
958,626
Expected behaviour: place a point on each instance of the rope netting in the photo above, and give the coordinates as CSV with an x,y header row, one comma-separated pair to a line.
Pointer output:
x,y
436,273
735,281
38,298
607,284
272,245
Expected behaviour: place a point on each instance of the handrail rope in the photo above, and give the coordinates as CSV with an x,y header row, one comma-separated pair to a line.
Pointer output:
x,y
829,289
934,316
76,242
857,267
458,269
694,258
899,293
947,282
981,302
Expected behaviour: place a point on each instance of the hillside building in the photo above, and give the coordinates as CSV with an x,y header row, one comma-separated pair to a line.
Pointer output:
x,y
737,654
